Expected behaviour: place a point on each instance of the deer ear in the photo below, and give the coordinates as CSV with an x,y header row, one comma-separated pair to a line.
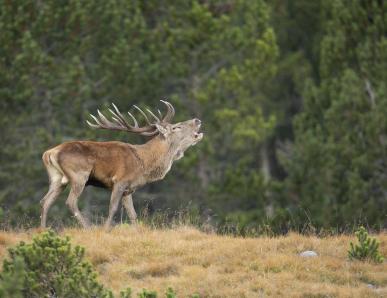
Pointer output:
x,y
163,130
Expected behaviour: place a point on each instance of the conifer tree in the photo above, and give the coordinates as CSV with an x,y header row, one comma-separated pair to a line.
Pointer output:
x,y
337,167
366,249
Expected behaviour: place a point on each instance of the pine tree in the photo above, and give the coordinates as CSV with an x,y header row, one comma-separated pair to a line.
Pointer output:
x,y
337,167
367,249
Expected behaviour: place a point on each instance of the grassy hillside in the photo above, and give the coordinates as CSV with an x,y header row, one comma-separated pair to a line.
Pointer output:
x,y
219,266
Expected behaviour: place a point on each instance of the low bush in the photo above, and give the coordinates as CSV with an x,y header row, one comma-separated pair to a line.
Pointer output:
x,y
50,267
366,249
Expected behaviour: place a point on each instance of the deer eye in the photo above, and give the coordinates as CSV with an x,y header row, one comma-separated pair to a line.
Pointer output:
x,y
176,128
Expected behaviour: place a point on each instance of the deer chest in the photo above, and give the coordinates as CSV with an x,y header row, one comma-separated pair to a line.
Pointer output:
x,y
158,172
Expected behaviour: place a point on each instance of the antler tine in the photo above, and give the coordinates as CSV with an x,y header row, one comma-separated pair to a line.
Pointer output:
x,y
142,113
170,113
119,122
91,124
96,121
153,115
117,118
134,119
150,133
105,121
134,128
121,118
172,108
102,122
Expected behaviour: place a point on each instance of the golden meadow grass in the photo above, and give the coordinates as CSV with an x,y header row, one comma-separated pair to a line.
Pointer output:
x,y
191,261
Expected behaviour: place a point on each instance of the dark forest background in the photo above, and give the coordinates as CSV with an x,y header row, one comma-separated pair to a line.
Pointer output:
x,y
292,95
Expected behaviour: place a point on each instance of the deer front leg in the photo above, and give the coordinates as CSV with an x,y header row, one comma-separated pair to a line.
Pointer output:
x,y
127,201
117,193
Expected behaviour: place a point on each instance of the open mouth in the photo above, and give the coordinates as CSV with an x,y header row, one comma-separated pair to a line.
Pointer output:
x,y
198,135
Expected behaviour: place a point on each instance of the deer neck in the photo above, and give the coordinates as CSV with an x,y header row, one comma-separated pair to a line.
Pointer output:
x,y
157,156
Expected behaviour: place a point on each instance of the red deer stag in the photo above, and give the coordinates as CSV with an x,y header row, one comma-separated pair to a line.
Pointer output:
x,y
118,166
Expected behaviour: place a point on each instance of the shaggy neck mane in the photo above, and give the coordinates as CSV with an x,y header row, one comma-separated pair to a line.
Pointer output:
x,y
157,153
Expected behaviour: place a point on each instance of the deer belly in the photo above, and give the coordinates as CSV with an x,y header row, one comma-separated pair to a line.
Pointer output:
x,y
139,182
98,183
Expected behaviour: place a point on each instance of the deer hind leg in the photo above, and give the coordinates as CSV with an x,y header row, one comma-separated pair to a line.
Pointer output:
x,y
77,188
53,193
127,201
77,182
117,193
57,183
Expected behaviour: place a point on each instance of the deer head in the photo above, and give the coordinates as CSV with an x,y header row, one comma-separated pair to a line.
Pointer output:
x,y
180,136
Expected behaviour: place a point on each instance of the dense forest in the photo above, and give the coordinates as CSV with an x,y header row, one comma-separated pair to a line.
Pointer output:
x,y
292,95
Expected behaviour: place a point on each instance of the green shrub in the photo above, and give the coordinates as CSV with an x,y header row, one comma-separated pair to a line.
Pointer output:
x,y
49,267
147,294
11,283
367,249
126,294
170,293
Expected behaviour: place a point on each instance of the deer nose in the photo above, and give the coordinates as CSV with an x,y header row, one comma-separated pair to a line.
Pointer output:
x,y
197,121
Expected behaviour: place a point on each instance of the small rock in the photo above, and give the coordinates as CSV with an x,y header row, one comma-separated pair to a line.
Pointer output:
x,y
371,286
308,254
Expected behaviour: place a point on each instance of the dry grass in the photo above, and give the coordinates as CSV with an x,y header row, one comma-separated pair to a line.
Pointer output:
x,y
219,266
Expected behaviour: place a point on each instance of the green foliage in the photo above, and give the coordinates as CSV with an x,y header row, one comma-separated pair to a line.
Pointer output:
x,y
170,293
12,281
366,249
147,294
49,266
336,167
152,294
126,294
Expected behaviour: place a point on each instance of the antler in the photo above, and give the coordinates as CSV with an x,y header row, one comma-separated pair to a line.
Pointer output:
x,y
119,122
